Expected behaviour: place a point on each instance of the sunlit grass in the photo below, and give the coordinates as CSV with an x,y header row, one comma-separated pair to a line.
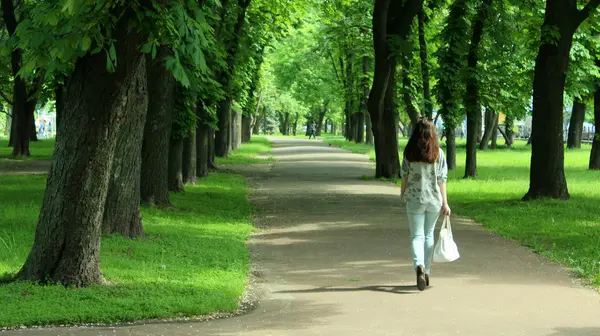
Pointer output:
x,y
256,151
40,150
193,261
567,232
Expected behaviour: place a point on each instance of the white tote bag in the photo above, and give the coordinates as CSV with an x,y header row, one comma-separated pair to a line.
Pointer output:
x,y
445,249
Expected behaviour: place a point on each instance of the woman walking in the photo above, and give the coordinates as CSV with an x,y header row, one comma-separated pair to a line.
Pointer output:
x,y
424,174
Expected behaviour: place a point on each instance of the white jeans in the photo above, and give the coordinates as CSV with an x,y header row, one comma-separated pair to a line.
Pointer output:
x,y
421,221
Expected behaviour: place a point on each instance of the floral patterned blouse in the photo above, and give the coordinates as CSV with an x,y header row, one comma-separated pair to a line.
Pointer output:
x,y
424,180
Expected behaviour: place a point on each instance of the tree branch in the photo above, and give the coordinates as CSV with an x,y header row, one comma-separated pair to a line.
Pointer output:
x,y
3,95
587,11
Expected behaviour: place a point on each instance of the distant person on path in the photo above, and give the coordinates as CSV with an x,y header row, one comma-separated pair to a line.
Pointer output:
x,y
312,132
424,174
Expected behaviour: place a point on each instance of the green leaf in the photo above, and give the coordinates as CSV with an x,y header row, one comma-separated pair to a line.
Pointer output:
x,y
113,52
86,43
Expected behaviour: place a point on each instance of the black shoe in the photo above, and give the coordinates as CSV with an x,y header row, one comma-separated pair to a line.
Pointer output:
x,y
427,279
421,282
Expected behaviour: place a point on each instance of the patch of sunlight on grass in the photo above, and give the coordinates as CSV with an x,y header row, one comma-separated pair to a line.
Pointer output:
x,y
193,261
258,150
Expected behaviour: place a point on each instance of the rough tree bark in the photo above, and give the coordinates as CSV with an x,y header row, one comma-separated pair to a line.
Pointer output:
x,y
157,133
122,210
595,154
236,136
202,132
495,131
66,248
211,149
395,20
189,160
246,128
490,124
175,170
509,133
319,128
547,174
472,104
576,124
364,107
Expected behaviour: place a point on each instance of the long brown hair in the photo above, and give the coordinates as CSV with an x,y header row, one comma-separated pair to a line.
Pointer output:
x,y
423,145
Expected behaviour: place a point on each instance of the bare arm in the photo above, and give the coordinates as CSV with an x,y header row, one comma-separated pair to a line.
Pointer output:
x,y
404,183
445,208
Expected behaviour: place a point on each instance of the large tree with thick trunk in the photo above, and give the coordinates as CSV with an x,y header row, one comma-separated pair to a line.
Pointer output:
x,y
547,174
122,210
472,101
390,19
66,247
157,133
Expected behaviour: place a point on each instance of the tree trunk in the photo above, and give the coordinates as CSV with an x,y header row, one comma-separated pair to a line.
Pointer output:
x,y
122,210
202,143
490,121
236,136
360,128
175,175
8,124
364,117
66,248
222,144
157,133
33,129
576,124
189,168
295,130
388,20
547,174
211,149
21,120
246,129
427,102
222,136
369,128
595,154
59,95
509,133
472,104
319,128
495,132
450,148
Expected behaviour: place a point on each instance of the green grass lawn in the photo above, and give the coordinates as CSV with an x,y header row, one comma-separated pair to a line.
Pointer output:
x,y
193,261
40,150
567,232
249,153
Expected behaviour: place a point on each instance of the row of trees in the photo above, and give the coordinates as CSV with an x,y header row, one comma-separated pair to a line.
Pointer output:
x,y
147,94
517,58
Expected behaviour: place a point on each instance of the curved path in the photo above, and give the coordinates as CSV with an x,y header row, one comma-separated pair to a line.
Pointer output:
x,y
333,258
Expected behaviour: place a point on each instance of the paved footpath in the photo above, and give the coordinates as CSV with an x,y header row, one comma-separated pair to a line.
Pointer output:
x,y
333,258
